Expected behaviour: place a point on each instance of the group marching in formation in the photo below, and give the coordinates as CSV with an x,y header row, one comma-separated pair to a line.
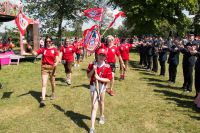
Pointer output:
x,y
101,71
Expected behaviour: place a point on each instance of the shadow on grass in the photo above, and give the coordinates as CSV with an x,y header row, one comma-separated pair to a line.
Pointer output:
x,y
87,86
185,104
173,94
134,64
75,117
64,84
60,79
140,69
84,69
147,73
6,95
195,117
165,86
153,79
116,78
34,94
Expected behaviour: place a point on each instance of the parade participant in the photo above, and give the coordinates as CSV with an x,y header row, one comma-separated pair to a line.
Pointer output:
x,y
67,56
112,50
50,60
188,64
116,41
124,49
100,74
173,60
78,46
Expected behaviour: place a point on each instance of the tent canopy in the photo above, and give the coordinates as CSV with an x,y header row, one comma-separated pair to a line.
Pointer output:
x,y
6,18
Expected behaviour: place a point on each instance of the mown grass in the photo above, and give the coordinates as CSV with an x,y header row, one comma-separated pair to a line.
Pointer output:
x,y
144,103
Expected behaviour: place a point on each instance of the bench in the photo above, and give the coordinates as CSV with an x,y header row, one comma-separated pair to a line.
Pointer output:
x,y
14,59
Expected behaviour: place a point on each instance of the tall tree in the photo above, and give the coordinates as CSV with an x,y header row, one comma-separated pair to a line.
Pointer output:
x,y
146,15
54,14
196,23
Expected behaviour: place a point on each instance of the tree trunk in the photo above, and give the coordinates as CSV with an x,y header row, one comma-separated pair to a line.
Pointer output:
x,y
59,33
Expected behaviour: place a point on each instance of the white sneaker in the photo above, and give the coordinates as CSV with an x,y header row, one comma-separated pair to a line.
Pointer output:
x,y
78,65
68,81
102,120
91,130
75,65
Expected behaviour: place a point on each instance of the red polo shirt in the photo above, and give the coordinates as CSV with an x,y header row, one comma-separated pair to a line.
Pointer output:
x,y
68,53
111,52
48,55
125,50
106,73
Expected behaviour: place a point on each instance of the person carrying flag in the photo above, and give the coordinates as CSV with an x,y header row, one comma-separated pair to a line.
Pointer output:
x,y
112,50
100,74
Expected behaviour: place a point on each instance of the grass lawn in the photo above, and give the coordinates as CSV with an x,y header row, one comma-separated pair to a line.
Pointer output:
x,y
144,103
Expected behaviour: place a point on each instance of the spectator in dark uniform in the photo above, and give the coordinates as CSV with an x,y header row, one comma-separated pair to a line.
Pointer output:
x,y
149,54
162,57
155,55
188,63
173,61
197,75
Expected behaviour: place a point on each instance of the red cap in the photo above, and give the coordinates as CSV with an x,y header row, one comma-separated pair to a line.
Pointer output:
x,y
102,51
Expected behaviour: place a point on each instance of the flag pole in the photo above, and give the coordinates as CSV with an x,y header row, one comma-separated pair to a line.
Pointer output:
x,y
105,31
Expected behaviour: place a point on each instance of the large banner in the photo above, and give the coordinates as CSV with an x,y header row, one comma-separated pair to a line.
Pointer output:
x,y
91,38
94,13
22,22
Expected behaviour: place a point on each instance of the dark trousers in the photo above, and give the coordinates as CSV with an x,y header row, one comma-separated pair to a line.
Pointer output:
x,y
162,68
172,72
141,58
149,62
188,76
197,80
155,64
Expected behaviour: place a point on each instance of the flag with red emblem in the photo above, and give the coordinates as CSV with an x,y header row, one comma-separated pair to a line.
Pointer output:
x,y
22,22
91,38
94,13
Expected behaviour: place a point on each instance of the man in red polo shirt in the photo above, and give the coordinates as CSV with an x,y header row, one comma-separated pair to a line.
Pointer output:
x,y
112,50
124,49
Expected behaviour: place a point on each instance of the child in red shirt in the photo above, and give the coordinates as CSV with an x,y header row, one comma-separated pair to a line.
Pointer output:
x,y
100,74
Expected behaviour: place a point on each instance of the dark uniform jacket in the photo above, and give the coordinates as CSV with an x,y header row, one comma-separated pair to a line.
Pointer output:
x,y
173,55
188,59
163,54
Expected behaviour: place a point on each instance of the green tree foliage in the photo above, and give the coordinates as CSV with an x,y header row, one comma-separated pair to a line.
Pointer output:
x,y
148,16
196,23
53,14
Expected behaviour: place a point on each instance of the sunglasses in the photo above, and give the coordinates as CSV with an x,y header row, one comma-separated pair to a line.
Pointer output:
x,y
48,41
